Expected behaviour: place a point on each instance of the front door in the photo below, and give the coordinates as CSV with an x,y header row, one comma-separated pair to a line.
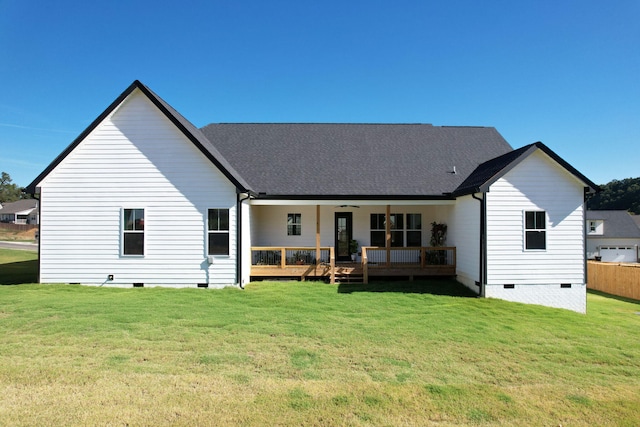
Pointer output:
x,y
343,235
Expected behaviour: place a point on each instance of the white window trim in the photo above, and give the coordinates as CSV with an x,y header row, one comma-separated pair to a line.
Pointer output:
x,y
228,232
525,229
299,224
123,231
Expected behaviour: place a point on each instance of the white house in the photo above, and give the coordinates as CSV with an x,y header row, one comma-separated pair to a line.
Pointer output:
x,y
23,211
612,236
157,201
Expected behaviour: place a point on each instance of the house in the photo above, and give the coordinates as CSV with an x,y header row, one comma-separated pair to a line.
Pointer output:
x,y
157,201
23,211
612,236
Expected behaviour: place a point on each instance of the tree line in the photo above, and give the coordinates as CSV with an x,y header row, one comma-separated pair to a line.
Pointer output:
x,y
621,194
9,191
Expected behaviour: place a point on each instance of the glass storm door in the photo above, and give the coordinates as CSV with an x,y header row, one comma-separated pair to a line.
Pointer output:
x,y
343,235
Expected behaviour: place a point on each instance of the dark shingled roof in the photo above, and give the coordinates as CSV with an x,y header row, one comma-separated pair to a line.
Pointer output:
x,y
618,224
18,206
374,161
350,160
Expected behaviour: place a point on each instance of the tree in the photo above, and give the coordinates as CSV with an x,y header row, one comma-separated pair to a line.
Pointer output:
x,y
618,195
9,192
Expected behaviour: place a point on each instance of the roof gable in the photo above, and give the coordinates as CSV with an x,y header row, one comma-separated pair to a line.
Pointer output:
x,y
489,172
186,128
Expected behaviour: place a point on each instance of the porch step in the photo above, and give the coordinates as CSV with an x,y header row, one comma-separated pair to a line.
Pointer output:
x,y
349,278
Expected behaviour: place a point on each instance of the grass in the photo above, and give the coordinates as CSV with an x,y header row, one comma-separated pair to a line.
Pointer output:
x,y
311,354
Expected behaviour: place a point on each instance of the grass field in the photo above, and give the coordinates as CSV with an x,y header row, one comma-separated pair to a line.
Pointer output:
x,y
294,353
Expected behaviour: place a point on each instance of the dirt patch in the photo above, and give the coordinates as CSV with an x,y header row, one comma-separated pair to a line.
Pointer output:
x,y
22,235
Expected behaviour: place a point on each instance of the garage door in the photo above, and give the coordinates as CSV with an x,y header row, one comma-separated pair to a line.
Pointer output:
x,y
618,254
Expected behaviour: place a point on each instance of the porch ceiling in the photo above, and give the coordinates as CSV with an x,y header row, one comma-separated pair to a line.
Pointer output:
x,y
349,203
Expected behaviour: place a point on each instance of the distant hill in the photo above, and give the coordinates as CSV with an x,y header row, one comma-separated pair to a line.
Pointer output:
x,y
618,195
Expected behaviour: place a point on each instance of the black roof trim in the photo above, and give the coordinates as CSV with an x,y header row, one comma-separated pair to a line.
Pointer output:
x,y
193,134
263,196
490,171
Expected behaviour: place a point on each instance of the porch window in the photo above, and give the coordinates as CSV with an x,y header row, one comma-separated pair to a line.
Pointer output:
x,y
535,230
133,232
378,230
218,231
294,224
414,230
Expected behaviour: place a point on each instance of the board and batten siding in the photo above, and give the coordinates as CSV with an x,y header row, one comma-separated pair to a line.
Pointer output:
x,y
135,158
537,183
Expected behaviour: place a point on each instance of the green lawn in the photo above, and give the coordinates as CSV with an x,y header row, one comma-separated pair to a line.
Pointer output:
x,y
310,354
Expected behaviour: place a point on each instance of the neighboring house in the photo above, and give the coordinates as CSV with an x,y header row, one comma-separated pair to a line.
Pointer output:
x,y
156,201
612,236
20,212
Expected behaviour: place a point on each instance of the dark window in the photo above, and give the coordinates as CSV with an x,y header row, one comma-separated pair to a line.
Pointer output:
x,y
378,230
133,232
535,230
294,224
218,231
414,230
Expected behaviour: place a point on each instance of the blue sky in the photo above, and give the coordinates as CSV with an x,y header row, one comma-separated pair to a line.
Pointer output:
x,y
566,73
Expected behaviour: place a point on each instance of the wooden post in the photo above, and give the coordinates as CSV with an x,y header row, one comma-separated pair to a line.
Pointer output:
x,y
388,235
365,266
317,235
332,264
283,258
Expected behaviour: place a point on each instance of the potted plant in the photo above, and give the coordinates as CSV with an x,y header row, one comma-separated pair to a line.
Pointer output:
x,y
438,238
353,249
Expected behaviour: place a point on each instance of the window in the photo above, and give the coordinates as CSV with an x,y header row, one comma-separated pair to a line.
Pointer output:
x,y
133,232
535,230
294,224
218,231
414,230
378,230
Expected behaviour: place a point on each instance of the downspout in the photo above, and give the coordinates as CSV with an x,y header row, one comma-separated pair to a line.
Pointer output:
x,y
483,244
239,237
39,199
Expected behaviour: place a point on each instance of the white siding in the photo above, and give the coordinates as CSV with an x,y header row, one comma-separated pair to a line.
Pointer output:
x,y
464,234
135,158
270,223
537,183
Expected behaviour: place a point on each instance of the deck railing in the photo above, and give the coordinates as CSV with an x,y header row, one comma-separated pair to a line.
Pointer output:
x,y
276,261
409,257
288,256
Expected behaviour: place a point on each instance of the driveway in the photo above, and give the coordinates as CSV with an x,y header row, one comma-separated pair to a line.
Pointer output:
x,y
24,246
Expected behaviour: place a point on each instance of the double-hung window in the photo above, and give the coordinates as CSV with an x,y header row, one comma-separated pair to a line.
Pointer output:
x,y
218,232
133,232
535,224
294,224
379,230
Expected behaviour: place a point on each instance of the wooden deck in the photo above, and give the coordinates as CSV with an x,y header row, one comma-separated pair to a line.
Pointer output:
x,y
304,263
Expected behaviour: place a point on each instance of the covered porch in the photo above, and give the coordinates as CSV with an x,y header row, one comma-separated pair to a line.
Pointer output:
x,y
337,240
